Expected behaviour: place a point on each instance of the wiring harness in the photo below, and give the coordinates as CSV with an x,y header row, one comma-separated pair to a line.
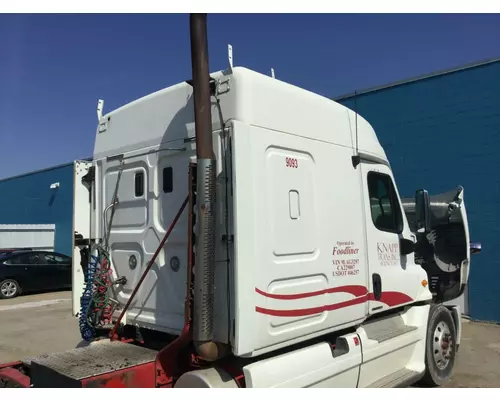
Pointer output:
x,y
96,304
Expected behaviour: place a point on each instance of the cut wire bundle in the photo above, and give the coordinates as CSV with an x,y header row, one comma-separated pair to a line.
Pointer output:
x,y
96,305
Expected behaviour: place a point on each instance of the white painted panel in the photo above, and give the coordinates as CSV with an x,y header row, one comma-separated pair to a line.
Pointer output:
x,y
312,366
81,224
35,236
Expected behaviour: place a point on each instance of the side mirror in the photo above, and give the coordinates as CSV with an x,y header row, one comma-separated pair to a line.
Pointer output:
x,y
406,246
422,211
475,247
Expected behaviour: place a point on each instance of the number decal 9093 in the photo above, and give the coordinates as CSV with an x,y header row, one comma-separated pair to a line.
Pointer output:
x,y
291,162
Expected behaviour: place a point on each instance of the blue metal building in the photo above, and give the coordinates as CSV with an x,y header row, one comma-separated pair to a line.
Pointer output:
x,y
443,130
439,131
29,199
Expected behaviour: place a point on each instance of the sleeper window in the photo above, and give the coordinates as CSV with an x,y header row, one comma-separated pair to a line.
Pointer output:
x,y
385,210
168,180
139,184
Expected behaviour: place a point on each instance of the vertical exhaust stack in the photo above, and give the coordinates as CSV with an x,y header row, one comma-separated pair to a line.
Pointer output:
x,y
203,318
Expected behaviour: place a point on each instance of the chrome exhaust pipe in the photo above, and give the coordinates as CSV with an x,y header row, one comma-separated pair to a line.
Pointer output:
x,y
204,268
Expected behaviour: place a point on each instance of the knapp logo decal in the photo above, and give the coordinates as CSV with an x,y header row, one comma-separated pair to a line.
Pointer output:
x,y
388,253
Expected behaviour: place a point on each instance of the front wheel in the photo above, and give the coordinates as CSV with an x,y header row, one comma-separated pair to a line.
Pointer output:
x,y
440,349
9,289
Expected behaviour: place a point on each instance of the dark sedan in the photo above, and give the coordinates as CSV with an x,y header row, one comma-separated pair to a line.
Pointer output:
x,y
28,271
6,252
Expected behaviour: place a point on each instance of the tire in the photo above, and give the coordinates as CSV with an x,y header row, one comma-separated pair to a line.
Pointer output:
x,y
440,353
9,288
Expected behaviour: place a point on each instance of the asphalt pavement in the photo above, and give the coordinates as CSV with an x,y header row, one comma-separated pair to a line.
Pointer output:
x,y
34,324
42,323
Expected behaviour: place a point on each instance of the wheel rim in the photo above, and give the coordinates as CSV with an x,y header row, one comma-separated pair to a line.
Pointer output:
x,y
8,289
442,345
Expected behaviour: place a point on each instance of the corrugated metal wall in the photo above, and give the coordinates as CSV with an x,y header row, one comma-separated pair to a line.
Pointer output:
x,y
28,199
440,132
33,236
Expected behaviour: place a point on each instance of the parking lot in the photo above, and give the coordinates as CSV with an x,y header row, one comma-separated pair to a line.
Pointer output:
x,y
42,323
478,359
35,324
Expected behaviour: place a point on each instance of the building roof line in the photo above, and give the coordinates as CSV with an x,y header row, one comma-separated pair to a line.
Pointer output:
x,y
418,78
42,170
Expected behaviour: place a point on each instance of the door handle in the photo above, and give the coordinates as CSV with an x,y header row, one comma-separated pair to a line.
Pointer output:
x,y
105,213
377,286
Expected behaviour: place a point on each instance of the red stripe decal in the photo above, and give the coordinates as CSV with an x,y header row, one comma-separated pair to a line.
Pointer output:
x,y
310,311
355,290
392,298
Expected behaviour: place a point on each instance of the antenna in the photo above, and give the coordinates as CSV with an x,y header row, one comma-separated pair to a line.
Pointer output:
x,y
230,56
356,159
272,73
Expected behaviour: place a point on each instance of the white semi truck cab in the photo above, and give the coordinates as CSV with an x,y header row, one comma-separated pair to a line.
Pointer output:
x,y
311,237
254,232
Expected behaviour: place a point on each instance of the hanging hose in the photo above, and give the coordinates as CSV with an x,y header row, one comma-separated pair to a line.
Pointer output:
x,y
86,330
96,308
103,306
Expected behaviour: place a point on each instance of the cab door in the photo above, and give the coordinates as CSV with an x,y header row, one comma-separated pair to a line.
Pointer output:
x,y
443,249
394,278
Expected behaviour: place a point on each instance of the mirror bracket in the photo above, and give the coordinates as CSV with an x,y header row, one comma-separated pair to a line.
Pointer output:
x,y
422,211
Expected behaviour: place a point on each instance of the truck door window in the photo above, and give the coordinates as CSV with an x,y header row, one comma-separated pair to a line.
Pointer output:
x,y
139,184
168,180
384,204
